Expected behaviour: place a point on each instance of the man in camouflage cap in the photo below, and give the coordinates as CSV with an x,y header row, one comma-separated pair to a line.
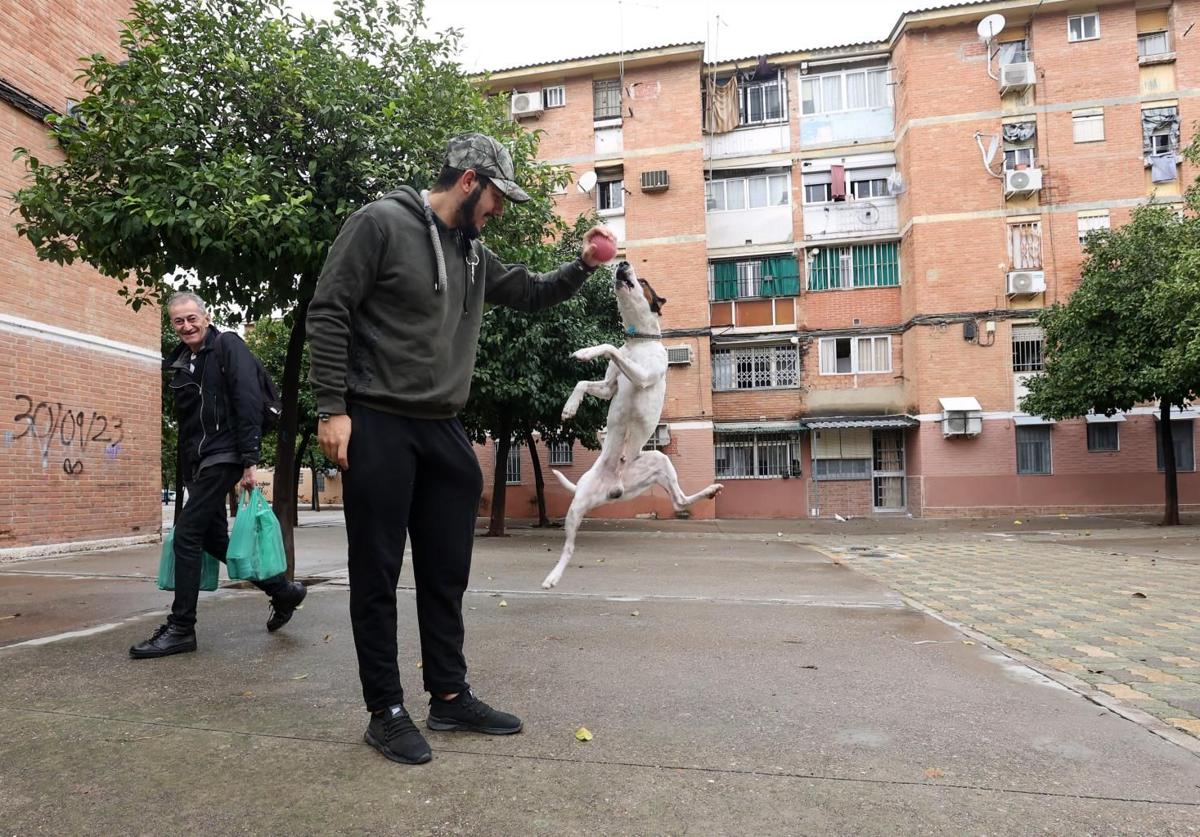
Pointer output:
x,y
394,328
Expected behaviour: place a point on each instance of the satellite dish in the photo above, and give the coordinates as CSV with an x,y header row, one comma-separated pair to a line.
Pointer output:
x,y
990,27
587,181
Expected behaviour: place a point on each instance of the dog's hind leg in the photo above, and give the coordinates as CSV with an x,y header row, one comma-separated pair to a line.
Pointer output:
x,y
665,475
584,502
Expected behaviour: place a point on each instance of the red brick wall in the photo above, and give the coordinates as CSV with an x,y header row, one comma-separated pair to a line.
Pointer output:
x,y
88,468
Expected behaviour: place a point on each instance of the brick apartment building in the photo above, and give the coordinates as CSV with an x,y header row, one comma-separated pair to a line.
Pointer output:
x,y
851,288
79,371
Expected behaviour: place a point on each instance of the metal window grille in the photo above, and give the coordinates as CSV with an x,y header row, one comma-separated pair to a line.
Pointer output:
x,y
841,469
512,469
1152,43
1088,223
1103,436
562,453
1027,348
1025,245
1033,449
606,99
755,368
756,455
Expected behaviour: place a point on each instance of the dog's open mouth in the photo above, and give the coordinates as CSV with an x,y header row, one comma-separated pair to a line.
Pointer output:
x,y
622,276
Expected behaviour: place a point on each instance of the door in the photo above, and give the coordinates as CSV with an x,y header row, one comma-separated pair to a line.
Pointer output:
x,y
887,475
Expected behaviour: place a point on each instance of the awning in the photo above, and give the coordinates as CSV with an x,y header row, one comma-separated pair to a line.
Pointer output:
x,y
842,422
957,404
1023,421
1100,418
757,426
1178,415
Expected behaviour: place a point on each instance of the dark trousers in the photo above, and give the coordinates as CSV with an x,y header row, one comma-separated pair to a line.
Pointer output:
x,y
418,477
202,526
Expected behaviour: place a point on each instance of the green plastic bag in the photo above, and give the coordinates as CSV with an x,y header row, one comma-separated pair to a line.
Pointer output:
x,y
210,567
256,550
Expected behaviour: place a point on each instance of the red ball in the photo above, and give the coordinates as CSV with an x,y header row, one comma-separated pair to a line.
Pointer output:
x,y
603,248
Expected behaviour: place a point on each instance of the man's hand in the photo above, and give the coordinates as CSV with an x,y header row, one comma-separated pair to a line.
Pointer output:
x,y
247,482
590,254
334,436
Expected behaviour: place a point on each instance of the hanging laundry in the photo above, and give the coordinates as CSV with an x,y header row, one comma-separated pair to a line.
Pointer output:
x,y
837,188
1163,168
722,114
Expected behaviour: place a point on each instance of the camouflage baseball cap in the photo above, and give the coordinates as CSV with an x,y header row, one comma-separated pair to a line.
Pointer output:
x,y
487,157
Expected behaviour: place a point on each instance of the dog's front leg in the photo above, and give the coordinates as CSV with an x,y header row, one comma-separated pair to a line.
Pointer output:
x,y
605,390
640,376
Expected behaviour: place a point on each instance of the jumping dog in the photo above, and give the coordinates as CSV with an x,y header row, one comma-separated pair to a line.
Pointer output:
x,y
636,383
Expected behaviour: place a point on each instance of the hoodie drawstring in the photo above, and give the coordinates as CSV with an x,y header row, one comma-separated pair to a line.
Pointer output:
x,y
436,240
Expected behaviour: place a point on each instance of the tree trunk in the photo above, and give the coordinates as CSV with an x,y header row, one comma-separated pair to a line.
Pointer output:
x,y
499,480
301,449
316,495
538,482
1170,474
284,498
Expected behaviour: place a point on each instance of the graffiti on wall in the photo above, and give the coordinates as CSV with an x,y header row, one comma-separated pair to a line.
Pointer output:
x,y
68,432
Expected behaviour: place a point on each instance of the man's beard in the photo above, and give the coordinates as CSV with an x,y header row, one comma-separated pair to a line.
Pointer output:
x,y
466,214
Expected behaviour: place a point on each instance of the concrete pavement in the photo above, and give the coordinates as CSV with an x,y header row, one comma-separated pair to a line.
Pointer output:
x,y
737,681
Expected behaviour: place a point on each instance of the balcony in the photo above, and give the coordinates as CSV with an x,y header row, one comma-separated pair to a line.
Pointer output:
x,y
847,126
746,142
851,219
762,225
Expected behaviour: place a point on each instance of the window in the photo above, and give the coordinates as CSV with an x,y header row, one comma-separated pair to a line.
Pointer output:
x,y
756,455
1088,125
1083,27
1181,437
1027,348
856,90
1012,52
606,99
562,453
818,193
1014,158
1160,130
761,102
512,471
861,266
1033,449
610,196
759,367
554,97
1103,436
772,276
1089,223
875,187
1025,245
842,454
855,355
750,192
1153,43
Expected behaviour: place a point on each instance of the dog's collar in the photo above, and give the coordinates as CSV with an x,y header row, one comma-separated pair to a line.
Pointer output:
x,y
632,334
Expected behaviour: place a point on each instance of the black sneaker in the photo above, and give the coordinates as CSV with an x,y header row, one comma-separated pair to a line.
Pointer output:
x,y
467,712
393,733
283,606
166,639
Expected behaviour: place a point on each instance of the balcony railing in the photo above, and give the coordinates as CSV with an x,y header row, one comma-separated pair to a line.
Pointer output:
x,y
851,219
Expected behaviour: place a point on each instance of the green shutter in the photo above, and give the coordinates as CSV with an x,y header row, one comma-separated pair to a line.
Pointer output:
x,y
890,257
725,280
787,276
864,269
825,270
768,286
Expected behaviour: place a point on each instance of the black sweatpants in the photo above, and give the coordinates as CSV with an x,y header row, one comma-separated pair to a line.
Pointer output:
x,y
203,526
418,477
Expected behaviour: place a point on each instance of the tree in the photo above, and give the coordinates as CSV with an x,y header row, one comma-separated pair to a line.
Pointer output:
x,y
1125,337
233,141
524,372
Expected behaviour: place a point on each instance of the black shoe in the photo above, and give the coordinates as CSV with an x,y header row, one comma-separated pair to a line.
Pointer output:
x,y
467,712
166,639
393,733
284,605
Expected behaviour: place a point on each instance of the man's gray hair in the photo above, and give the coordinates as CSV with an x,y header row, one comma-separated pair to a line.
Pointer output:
x,y
180,297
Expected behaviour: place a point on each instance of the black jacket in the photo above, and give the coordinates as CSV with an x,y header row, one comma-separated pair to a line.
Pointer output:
x,y
217,402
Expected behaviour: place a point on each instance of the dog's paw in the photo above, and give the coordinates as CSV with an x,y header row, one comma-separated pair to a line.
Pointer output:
x,y
590,353
551,580
714,489
568,412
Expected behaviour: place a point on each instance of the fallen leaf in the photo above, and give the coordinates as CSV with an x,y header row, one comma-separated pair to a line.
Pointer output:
x,y
583,734
328,637
933,773
503,603
12,616
635,613
1017,522
300,677
420,663
968,642
246,694
1139,595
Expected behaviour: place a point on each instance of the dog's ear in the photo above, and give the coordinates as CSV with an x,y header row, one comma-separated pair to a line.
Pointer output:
x,y
657,304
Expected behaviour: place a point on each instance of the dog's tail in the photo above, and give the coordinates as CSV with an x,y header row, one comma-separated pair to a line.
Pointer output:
x,y
566,483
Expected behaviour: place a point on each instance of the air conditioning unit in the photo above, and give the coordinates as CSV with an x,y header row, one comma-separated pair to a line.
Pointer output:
x,y
660,439
679,355
527,104
1022,181
655,181
1026,282
1017,77
962,423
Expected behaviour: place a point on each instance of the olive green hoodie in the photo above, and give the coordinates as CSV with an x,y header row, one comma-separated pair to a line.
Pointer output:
x,y
386,332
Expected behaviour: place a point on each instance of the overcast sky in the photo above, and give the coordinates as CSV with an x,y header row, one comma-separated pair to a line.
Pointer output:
x,y
513,33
